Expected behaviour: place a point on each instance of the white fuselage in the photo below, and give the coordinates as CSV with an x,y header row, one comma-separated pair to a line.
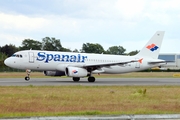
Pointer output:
x,y
58,61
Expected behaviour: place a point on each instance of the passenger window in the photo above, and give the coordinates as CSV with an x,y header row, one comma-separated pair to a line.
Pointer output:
x,y
20,56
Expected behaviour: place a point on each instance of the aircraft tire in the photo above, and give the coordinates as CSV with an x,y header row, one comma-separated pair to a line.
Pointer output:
x,y
91,79
27,78
76,79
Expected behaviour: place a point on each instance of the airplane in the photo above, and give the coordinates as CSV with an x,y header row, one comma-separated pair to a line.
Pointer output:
x,y
79,65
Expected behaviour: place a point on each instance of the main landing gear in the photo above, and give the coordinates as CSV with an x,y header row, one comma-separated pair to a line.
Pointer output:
x,y
76,79
90,79
27,78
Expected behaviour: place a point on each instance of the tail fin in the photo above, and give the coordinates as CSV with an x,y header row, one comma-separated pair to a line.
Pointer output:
x,y
152,48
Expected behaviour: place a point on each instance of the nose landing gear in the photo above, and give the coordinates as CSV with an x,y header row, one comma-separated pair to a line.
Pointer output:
x,y
27,78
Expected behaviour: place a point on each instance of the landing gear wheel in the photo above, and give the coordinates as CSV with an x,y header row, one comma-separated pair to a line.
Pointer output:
x,y
27,78
91,79
76,79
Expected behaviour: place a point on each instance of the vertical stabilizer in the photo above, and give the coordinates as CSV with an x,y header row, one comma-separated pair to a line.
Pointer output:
x,y
152,48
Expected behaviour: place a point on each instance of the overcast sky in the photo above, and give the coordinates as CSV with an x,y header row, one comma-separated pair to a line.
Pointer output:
x,y
128,23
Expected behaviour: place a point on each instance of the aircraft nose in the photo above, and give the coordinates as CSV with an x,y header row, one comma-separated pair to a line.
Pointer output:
x,y
7,62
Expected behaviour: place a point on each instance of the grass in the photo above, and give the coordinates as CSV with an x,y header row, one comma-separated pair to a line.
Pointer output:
x,y
26,101
126,75
88,100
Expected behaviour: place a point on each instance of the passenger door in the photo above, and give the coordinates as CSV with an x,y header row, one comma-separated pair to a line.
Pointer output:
x,y
31,57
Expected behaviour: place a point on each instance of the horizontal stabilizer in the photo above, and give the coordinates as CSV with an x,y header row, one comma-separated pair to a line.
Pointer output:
x,y
157,62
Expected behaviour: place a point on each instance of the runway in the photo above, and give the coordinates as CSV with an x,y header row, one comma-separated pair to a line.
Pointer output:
x,y
54,81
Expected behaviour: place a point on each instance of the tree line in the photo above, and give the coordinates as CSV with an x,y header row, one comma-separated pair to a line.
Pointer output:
x,y
53,44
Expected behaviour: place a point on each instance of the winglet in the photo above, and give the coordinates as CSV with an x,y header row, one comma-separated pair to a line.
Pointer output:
x,y
140,60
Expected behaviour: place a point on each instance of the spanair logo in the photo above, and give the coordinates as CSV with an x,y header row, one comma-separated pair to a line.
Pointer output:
x,y
75,71
152,47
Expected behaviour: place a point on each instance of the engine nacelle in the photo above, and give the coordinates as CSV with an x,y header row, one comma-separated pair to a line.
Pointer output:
x,y
54,73
76,72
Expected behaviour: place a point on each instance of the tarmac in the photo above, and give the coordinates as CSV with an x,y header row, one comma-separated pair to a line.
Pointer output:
x,y
57,81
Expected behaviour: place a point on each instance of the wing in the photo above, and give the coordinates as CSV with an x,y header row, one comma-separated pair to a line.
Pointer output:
x,y
109,64
100,65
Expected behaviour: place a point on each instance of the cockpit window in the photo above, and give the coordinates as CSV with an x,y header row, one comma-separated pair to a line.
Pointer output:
x,y
17,55
13,55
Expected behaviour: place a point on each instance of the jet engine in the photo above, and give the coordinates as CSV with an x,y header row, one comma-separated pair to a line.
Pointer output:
x,y
76,72
54,73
